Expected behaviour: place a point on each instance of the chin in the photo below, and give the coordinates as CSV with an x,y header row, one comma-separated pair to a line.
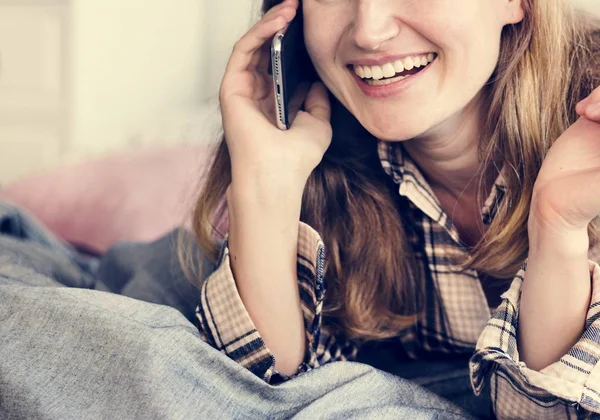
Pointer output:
x,y
396,131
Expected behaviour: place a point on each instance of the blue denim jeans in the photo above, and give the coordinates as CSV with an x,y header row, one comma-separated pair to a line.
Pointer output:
x,y
84,337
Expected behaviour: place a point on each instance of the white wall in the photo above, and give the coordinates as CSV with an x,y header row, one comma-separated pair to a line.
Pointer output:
x,y
132,61
227,21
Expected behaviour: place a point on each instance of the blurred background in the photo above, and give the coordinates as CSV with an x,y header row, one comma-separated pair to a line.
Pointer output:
x,y
82,78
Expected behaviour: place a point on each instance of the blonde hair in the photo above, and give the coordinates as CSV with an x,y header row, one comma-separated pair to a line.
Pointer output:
x,y
547,63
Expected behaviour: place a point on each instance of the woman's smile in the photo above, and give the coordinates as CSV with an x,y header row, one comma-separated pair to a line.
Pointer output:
x,y
376,70
393,77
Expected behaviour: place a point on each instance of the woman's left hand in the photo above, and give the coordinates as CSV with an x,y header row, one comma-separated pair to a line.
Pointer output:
x,y
566,195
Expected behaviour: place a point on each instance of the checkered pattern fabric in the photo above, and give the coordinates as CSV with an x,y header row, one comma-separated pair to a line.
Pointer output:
x,y
456,319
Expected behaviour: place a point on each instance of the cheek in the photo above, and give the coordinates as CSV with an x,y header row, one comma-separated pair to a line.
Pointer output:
x,y
472,35
323,32
316,50
475,57
468,48
320,47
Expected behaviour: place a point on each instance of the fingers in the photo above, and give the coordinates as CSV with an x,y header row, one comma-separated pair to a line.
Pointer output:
x,y
590,106
273,21
317,102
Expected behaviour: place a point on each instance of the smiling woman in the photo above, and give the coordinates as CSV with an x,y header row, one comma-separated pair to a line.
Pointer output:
x,y
410,195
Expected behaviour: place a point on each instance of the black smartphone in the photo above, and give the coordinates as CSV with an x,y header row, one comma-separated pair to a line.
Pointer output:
x,y
292,70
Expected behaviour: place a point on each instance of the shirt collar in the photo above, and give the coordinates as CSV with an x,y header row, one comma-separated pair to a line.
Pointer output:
x,y
413,185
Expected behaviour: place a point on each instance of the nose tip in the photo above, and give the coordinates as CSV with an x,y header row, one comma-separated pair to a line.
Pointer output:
x,y
373,28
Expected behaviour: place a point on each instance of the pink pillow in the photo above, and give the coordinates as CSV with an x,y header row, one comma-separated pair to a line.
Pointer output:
x,y
128,196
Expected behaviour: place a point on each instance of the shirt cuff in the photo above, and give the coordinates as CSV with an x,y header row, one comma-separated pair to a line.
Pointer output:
x,y
575,378
228,327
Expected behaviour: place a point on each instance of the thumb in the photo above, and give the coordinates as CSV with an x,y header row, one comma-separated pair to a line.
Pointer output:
x,y
317,102
315,120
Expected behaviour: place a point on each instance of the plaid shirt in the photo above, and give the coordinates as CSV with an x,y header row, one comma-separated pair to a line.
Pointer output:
x,y
457,318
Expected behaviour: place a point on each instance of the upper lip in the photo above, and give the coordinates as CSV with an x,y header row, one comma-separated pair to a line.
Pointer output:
x,y
378,61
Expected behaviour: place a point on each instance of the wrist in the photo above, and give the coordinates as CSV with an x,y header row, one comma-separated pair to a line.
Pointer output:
x,y
260,219
269,182
547,237
271,174
251,203
555,210
265,196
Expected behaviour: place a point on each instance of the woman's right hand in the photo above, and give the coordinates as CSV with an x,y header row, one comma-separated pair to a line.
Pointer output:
x,y
270,168
260,152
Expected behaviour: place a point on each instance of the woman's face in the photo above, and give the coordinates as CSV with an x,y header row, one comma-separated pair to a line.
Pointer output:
x,y
454,43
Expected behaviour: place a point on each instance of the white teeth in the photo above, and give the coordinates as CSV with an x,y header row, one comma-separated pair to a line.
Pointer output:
x,y
389,70
398,66
377,72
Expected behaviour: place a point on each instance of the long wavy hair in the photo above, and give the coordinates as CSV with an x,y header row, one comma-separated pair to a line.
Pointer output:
x,y
548,62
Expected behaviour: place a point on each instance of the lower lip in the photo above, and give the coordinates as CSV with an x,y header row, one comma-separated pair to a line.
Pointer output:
x,y
391,89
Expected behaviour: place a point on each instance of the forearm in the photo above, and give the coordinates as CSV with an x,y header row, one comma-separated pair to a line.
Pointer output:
x,y
555,294
263,240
